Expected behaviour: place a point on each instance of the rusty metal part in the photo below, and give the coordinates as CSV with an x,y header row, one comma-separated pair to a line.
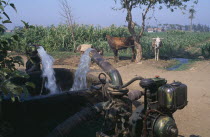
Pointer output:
x,y
118,92
113,73
134,95
117,114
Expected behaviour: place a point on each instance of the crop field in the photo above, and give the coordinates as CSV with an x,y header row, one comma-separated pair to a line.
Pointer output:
x,y
62,38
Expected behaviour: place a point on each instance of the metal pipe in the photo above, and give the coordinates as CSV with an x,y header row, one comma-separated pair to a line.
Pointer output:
x,y
112,72
131,81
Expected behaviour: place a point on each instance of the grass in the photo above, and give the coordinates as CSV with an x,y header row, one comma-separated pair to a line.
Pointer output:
x,y
66,54
185,66
63,54
172,63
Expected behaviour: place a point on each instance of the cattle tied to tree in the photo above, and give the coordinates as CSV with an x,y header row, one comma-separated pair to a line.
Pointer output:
x,y
118,43
156,44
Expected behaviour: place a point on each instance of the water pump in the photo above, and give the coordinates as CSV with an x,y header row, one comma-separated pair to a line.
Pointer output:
x,y
161,100
153,118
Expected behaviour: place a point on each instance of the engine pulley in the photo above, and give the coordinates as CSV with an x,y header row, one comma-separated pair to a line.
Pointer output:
x,y
165,126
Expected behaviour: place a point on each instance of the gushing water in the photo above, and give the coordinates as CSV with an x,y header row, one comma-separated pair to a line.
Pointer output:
x,y
47,70
80,74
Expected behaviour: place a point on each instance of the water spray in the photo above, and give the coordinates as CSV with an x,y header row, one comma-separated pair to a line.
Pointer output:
x,y
48,73
81,72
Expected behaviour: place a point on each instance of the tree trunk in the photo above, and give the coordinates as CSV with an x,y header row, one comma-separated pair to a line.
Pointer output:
x,y
72,35
191,25
67,14
131,26
138,52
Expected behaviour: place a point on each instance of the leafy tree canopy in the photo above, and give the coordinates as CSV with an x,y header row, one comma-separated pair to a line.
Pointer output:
x,y
8,70
146,5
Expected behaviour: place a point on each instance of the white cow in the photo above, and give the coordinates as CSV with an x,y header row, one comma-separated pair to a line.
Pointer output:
x,y
156,44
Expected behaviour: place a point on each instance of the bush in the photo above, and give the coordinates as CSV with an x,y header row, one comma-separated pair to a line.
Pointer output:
x,y
7,62
205,50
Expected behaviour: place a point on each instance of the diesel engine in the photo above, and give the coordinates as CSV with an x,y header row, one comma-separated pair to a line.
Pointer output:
x,y
153,118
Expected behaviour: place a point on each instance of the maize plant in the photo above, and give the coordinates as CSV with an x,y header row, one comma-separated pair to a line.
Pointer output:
x,y
59,38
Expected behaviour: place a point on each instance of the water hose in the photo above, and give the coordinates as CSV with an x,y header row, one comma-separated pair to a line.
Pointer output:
x,y
86,114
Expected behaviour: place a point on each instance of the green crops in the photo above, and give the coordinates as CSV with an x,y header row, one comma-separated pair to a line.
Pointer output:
x,y
60,38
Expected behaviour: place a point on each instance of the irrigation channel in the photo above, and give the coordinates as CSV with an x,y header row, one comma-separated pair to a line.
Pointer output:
x,y
182,61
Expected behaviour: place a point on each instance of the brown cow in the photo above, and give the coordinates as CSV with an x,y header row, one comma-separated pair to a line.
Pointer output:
x,y
118,43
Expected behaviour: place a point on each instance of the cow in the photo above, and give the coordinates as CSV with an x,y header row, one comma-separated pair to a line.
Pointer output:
x,y
118,43
156,44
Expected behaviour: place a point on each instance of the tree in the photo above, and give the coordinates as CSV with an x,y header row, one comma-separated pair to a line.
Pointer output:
x,y
179,27
67,15
172,26
191,17
7,62
145,6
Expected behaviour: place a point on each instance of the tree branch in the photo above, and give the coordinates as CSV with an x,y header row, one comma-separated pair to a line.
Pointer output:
x,y
67,14
131,25
151,3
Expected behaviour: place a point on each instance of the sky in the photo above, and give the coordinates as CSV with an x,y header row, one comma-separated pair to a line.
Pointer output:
x,y
98,12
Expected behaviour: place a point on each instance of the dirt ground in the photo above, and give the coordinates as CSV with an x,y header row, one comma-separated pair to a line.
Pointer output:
x,y
194,119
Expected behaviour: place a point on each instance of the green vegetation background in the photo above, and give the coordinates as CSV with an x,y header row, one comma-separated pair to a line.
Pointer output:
x,y
53,39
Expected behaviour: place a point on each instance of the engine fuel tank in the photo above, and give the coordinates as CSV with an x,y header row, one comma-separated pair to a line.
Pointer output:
x,y
172,96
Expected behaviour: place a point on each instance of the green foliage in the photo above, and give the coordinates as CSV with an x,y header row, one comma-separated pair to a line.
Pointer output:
x,y
205,50
186,66
192,13
60,39
171,4
175,43
7,62
4,15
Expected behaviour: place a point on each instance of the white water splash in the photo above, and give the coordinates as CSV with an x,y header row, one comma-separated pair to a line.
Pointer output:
x,y
47,70
80,74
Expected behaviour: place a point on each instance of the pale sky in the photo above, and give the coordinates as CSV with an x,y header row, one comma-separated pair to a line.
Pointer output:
x,y
97,12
